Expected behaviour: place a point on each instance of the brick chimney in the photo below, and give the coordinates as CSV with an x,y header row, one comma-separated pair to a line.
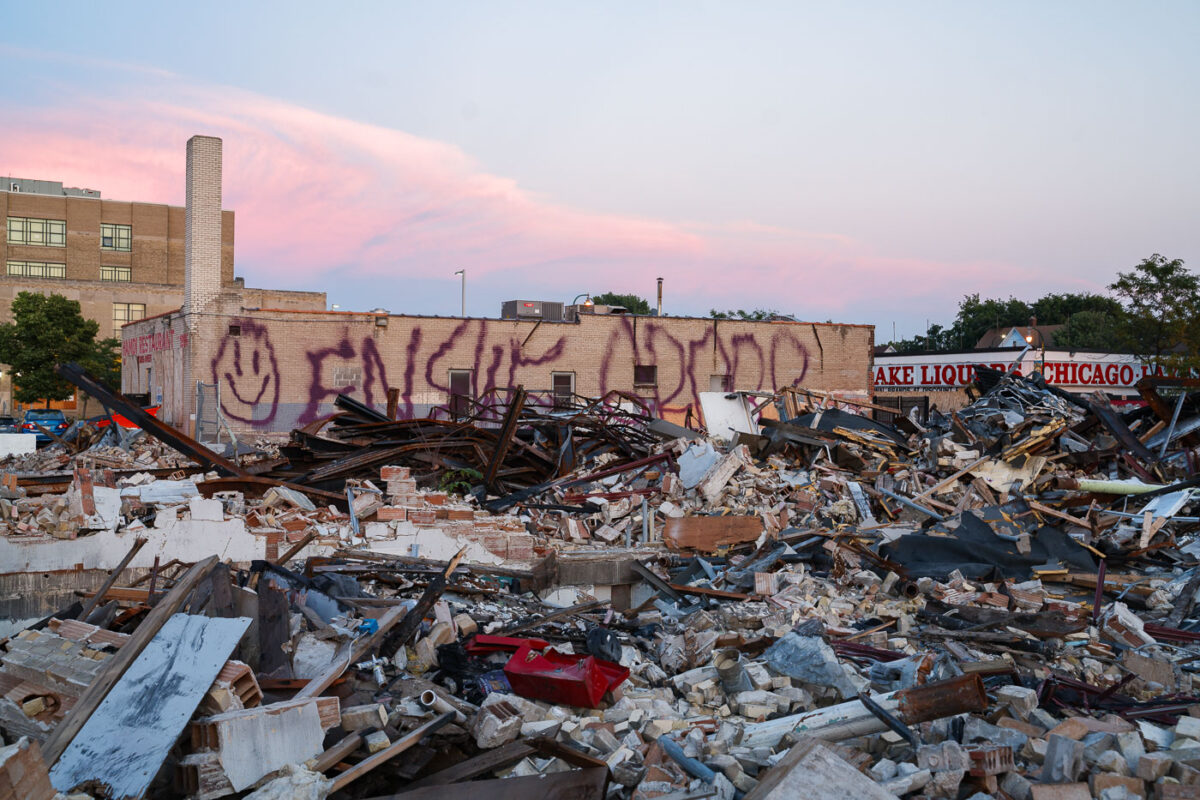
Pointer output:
x,y
202,238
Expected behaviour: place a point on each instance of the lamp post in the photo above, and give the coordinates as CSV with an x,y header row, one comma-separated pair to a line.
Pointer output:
x,y
1041,338
463,272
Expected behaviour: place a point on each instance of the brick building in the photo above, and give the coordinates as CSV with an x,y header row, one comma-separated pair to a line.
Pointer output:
x,y
278,368
122,261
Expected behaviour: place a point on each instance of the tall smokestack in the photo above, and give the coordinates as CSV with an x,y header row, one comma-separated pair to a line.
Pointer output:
x,y
202,237
660,297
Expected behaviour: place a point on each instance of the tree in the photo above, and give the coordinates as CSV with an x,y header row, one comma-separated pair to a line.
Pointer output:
x,y
46,330
976,317
1091,330
635,304
756,314
1057,309
1161,300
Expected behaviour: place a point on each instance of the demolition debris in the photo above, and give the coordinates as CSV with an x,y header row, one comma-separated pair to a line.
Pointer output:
x,y
580,600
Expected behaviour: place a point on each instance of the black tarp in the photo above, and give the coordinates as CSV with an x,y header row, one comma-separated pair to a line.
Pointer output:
x,y
975,550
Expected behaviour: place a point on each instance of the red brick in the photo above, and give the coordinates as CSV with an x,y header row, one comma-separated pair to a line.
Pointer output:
x,y
422,516
435,498
388,513
394,473
460,513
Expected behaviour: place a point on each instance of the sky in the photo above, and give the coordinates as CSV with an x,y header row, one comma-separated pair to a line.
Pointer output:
x,y
865,162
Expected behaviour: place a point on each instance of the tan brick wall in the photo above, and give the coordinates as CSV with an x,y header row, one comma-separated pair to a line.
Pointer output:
x,y
281,369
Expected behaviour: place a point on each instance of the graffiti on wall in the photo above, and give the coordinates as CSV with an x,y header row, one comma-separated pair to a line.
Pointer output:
x,y
247,364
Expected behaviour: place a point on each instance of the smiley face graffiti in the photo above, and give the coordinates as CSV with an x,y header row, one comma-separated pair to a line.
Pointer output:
x,y
248,372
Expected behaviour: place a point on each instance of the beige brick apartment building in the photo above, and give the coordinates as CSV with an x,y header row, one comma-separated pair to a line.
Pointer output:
x,y
122,261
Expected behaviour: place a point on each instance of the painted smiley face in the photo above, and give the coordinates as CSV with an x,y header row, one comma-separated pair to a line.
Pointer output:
x,y
246,367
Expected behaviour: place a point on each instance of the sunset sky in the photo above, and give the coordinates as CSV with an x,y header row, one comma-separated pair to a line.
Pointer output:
x,y
862,162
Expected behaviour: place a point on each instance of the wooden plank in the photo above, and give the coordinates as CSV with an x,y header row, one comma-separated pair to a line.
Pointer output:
x,y
390,642
706,534
486,761
124,743
273,628
706,591
296,548
391,751
355,652
526,624
90,605
337,753
90,700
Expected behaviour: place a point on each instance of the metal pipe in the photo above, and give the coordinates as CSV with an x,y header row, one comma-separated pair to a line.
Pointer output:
x,y
431,701
912,505
690,765
964,694
1171,427
645,520
731,671
660,297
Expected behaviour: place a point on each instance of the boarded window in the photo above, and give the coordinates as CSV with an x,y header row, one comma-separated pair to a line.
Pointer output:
x,y
460,393
645,375
563,384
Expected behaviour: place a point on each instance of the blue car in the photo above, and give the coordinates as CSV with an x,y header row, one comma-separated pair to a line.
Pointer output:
x,y
51,419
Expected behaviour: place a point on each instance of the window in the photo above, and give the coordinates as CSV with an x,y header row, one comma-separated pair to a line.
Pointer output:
x,y
645,375
44,232
116,274
563,385
37,269
127,312
460,393
116,237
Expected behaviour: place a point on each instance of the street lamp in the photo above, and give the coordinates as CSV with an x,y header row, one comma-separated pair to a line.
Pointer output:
x,y
587,303
1041,339
463,272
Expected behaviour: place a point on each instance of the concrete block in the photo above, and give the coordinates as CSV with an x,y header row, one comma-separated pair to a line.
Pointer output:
x,y
1018,698
1063,760
206,510
494,725
1134,787
1153,766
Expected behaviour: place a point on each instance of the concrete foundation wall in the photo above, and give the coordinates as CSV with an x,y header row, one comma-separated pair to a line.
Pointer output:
x,y
278,370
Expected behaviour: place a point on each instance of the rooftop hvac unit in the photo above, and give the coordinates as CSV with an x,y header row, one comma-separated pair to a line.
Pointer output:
x,y
532,309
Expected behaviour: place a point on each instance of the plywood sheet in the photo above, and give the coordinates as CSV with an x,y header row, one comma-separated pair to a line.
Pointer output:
x,y
123,744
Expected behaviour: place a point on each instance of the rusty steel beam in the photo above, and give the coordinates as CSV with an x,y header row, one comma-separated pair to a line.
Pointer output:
x,y
78,376
505,437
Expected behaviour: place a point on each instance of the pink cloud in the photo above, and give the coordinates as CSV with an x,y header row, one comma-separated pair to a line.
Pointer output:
x,y
317,196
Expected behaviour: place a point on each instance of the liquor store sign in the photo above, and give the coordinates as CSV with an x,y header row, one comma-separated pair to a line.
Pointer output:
x,y
1059,368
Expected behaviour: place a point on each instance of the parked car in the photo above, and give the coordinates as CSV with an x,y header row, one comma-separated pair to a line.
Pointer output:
x,y
51,419
10,425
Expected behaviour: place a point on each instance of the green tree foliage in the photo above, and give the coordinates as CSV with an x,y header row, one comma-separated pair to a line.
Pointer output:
x,y
635,304
1058,309
1161,299
756,314
976,317
1091,330
105,362
47,330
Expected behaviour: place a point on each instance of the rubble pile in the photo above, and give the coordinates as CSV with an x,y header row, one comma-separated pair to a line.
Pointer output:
x,y
995,602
